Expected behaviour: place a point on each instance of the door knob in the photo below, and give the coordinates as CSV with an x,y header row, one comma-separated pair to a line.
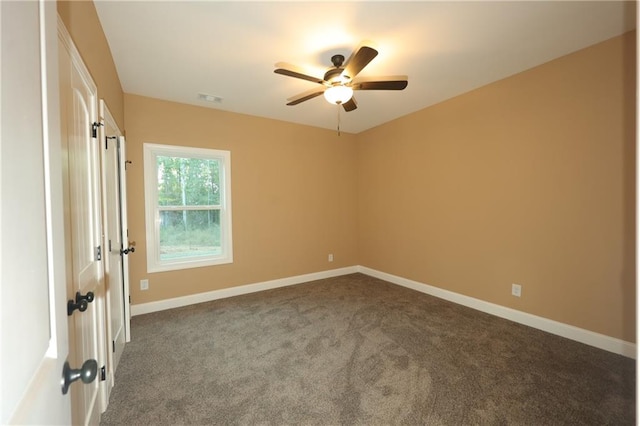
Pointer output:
x,y
131,248
81,303
87,374
88,297
82,306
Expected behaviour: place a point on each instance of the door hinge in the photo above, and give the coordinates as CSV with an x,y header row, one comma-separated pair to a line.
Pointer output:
x,y
94,129
129,299
98,253
114,345
106,141
103,373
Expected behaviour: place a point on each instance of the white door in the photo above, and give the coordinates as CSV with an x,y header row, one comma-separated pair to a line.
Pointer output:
x,y
124,222
81,183
117,247
33,325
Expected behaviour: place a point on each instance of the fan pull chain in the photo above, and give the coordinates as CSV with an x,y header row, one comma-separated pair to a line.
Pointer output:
x,y
338,119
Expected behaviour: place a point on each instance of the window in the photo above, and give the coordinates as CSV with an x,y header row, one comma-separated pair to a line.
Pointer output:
x,y
188,207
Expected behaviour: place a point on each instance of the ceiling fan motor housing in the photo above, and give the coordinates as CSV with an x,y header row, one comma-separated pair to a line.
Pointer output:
x,y
334,75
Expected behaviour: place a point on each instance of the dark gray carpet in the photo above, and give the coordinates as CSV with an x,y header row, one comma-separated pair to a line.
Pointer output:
x,y
357,350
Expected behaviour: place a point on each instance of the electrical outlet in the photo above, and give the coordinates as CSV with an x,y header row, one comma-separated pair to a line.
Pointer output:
x,y
144,284
330,257
516,290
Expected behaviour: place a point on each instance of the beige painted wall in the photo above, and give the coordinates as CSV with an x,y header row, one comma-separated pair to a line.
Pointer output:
x,y
293,195
529,180
81,20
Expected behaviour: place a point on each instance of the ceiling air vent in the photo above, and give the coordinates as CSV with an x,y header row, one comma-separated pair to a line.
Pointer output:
x,y
210,98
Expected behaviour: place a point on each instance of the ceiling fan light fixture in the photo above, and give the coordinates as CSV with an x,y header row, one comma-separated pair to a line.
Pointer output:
x,y
338,94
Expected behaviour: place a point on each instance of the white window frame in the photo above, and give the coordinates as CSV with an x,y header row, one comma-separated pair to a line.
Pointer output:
x,y
152,209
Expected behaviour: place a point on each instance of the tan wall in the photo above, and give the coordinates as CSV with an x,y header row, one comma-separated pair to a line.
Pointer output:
x,y
81,20
293,195
529,180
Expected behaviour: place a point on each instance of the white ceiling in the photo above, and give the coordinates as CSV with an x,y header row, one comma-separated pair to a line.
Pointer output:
x,y
176,50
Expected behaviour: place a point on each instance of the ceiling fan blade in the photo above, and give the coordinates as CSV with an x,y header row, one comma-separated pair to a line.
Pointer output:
x,y
304,96
358,60
396,82
350,105
292,71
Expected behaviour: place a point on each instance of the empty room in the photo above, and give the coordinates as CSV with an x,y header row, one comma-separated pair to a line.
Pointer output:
x,y
323,212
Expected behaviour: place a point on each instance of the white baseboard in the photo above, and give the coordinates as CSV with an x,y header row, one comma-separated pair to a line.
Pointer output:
x,y
161,305
554,327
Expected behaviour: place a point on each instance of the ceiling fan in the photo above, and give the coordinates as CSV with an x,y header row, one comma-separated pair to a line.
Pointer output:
x,y
339,82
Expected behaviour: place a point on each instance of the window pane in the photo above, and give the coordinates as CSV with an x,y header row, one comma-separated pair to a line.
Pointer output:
x,y
188,233
188,221
188,181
